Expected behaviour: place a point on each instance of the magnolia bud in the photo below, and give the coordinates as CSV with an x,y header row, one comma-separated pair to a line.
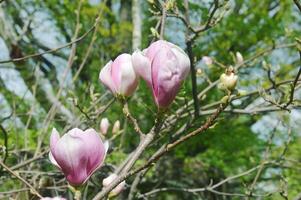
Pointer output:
x,y
207,60
104,126
199,72
119,76
116,127
228,80
164,66
239,58
107,181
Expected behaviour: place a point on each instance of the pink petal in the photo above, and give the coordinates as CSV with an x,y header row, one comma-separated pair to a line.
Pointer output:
x,y
106,78
72,157
165,74
53,161
117,67
142,66
129,79
183,62
96,150
153,49
54,138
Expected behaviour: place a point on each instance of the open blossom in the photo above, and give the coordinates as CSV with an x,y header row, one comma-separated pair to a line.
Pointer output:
x,y
78,154
119,76
164,66
104,126
107,181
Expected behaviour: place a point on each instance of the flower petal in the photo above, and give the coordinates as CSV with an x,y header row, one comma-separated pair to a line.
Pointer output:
x,y
54,138
129,79
72,157
142,66
165,74
106,78
53,161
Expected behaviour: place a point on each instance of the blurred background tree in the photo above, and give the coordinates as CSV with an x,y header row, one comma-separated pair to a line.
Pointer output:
x,y
57,85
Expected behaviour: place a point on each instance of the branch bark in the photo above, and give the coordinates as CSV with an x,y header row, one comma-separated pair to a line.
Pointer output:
x,y
136,21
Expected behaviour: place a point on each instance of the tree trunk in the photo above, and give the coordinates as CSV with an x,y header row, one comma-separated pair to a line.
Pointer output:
x,y
136,20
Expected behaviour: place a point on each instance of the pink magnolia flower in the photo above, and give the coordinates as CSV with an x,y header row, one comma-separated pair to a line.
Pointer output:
x,y
78,154
164,66
107,181
119,76
52,198
104,126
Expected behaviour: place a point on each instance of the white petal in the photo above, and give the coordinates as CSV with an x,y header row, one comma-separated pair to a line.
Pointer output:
x,y
105,77
142,66
53,161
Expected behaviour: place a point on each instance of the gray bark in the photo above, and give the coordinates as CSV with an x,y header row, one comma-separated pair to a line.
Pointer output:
x,y
136,20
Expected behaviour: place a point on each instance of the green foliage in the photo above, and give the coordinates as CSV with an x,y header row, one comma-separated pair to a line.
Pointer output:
x,y
229,147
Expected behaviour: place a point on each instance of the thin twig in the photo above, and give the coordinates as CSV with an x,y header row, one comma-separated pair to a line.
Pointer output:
x,y
291,99
129,116
167,148
32,189
144,142
192,66
298,4
163,18
5,136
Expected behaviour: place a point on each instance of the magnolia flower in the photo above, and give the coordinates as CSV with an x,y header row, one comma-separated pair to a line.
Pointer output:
x,y
104,126
228,80
78,154
164,66
119,76
52,198
107,181
207,60
116,127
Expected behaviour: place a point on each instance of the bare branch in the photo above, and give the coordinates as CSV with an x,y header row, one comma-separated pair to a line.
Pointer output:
x,y
32,189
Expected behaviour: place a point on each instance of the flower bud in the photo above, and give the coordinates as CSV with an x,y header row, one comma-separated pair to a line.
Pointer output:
x,y
107,181
104,126
116,127
239,58
199,72
164,66
265,65
228,80
78,154
119,76
207,60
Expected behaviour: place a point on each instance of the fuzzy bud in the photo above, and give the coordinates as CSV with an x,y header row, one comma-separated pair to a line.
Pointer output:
x,y
104,126
239,58
116,127
228,80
